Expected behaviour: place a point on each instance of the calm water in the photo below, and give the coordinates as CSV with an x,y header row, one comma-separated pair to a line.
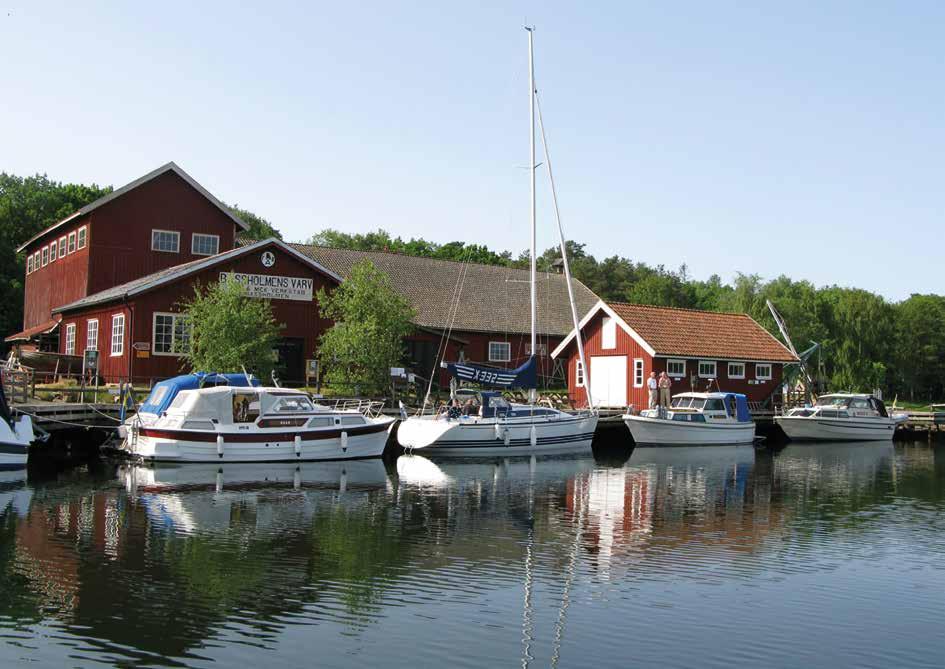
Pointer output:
x,y
814,556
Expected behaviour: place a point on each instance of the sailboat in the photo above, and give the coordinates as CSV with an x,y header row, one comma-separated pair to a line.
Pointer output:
x,y
491,424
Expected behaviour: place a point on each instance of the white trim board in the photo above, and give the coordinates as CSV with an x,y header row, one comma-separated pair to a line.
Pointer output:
x,y
602,306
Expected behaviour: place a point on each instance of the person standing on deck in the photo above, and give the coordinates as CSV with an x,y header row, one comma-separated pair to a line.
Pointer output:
x,y
653,387
664,383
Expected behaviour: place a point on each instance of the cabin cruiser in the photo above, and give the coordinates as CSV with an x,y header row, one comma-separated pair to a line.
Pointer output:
x,y
841,417
15,435
253,424
491,425
695,419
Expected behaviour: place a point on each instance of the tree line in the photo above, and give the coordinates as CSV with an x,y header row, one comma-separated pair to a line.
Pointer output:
x,y
866,341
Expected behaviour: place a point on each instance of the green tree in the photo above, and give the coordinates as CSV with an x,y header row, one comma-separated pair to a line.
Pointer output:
x,y
28,205
227,330
259,227
367,339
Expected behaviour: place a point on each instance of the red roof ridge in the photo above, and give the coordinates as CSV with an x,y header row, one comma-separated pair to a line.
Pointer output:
x,y
689,309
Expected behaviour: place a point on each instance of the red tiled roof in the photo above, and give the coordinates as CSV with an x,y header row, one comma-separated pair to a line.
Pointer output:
x,y
29,333
709,334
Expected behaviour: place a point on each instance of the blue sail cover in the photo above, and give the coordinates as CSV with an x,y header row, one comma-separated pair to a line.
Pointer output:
x,y
525,376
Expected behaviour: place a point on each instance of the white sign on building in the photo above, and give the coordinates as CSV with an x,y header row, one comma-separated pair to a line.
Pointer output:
x,y
273,287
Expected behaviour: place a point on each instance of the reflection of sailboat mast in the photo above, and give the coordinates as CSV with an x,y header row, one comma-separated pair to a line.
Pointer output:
x,y
580,497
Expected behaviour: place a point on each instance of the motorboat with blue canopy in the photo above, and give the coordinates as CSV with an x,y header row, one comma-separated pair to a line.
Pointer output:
x,y
695,419
164,392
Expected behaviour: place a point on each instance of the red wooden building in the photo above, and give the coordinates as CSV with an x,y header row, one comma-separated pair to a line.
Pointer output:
x,y
161,220
699,350
132,256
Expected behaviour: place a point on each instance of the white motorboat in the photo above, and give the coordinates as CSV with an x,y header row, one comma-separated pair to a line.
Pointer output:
x,y
15,435
695,419
841,417
494,426
255,424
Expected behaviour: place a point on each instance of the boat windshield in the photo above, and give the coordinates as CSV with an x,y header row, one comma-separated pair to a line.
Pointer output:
x,y
714,404
696,403
293,404
833,401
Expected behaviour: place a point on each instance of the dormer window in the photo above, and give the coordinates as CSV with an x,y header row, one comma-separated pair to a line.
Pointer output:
x,y
166,241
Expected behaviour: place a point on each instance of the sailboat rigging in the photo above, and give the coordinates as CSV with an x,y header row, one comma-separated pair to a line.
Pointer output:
x,y
488,423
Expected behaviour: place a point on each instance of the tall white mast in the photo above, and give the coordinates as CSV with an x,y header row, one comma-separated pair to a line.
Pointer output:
x,y
531,171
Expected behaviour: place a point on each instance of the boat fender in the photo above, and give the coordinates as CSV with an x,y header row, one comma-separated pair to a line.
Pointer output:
x,y
533,436
344,441
220,445
298,446
499,431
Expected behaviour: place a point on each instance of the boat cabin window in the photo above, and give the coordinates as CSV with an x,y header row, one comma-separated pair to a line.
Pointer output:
x,y
714,404
833,413
245,407
832,401
352,420
293,404
321,422
859,403
179,400
689,417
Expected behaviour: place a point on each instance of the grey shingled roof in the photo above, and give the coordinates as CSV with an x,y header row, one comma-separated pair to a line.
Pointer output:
x,y
491,298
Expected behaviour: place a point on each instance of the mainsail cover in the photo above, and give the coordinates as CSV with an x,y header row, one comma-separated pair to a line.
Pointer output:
x,y
525,376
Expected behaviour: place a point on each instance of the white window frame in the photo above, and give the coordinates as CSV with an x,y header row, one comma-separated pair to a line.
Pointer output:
x,y
737,376
118,344
578,374
174,321
193,243
175,234
91,342
45,252
62,246
53,250
70,339
770,374
29,264
608,333
72,242
674,361
36,261
639,373
508,348
82,237
715,369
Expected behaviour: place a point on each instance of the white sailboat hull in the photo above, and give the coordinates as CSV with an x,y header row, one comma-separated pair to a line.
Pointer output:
x,y
478,437
663,432
815,428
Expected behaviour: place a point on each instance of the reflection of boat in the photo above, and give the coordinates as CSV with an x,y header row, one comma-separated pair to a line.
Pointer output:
x,y
336,474
435,473
704,419
14,493
253,424
15,435
498,427
840,417
723,455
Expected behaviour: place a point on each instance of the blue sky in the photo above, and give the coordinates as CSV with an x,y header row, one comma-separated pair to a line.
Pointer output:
x,y
801,138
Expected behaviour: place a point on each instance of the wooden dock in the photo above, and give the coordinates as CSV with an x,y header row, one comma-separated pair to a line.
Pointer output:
x,y
55,417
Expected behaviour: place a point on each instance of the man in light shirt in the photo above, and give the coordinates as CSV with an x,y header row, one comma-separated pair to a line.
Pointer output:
x,y
653,385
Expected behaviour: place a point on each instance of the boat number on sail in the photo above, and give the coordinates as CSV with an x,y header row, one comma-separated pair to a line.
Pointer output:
x,y
273,287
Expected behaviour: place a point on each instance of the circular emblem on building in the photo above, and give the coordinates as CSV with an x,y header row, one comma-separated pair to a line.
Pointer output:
x,y
268,259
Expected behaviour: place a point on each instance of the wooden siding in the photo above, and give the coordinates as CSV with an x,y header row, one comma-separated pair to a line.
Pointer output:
x,y
299,319
60,282
626,345
121,247
111,368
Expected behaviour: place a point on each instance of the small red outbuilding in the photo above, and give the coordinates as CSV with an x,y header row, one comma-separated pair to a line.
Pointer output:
x,y
699,350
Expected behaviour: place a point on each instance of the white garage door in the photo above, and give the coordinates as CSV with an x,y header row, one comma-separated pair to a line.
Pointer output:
x,y
609,380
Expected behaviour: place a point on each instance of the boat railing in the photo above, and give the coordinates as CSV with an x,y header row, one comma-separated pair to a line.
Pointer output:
x,y
369,408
